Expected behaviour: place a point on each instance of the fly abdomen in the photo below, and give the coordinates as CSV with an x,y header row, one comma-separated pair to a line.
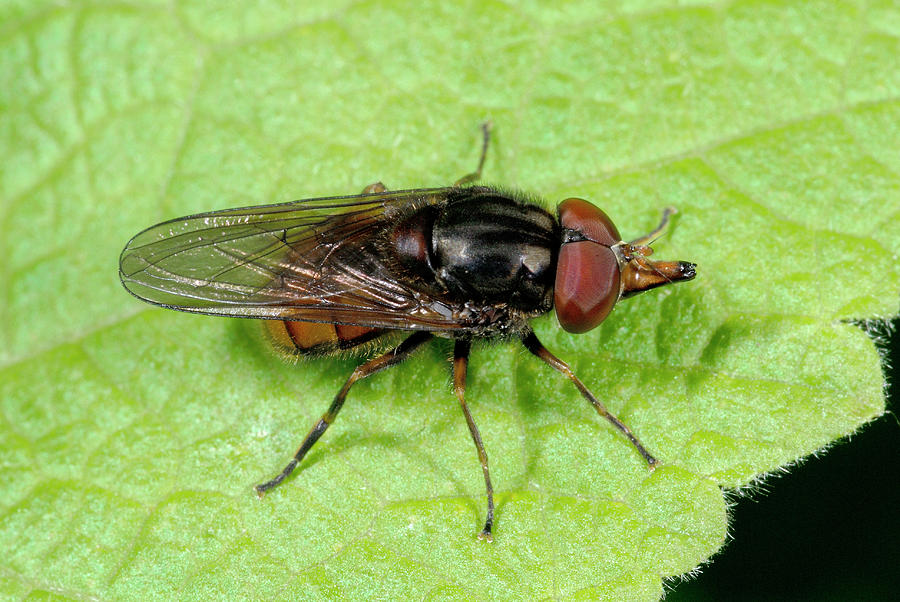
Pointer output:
x,y
318,338
410,243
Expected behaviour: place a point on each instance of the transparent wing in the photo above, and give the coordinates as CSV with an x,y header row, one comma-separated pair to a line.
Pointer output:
x,y
317,260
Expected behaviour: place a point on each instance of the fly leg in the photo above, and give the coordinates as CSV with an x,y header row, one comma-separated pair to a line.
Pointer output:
x,y
374,188
533,345
392,357
466,179
460,363
476,175
648,239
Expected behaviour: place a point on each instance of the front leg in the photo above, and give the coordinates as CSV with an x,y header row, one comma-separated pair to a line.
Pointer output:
x,y
533,345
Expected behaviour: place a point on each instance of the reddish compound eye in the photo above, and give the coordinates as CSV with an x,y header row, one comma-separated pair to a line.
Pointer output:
x,y
587,285
587,272
581,216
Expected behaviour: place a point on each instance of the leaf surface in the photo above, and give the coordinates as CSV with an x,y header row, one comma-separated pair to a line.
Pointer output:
x,y
132,436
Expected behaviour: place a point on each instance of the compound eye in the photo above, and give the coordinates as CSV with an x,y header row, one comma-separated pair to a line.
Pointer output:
x,y
581,216
587,285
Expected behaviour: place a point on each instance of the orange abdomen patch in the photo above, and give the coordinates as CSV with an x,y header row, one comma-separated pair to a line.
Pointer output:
x,y
316,338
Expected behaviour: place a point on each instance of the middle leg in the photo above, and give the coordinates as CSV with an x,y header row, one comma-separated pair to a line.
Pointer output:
x,y
374,188
460,365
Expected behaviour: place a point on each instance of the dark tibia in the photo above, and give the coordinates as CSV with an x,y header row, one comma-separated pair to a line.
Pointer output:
x,y
533,345
460,364
391,358
485,140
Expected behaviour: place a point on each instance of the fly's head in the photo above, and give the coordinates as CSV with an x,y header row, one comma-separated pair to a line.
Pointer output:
x,y
596,267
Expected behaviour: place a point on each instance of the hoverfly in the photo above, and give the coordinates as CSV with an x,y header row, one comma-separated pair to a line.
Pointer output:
x,y
463,262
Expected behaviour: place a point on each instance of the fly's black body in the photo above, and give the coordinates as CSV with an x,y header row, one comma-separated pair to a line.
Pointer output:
x,y
480,257
463,262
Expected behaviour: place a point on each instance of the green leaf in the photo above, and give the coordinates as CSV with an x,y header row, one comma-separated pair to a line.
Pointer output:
x,y
131,436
